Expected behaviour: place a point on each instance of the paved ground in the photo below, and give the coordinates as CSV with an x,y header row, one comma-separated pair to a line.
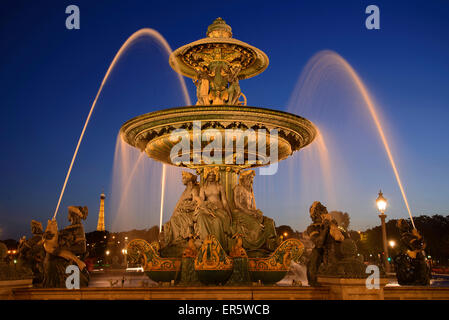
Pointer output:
x,y
440,280
119,278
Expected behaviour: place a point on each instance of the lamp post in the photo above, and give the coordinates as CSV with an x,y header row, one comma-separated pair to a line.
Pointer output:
x,y
382,205
126,252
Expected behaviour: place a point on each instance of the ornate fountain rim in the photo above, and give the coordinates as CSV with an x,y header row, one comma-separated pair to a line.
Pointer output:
x,y
219,46
294,131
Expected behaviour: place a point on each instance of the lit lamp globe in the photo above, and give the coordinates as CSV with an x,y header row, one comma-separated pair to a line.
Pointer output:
x,y
382,205
381,202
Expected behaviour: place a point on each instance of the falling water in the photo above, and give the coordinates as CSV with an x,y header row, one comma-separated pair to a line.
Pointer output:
x,y
126,45
135,165
135,182
162,195
316,71
323,156
134,188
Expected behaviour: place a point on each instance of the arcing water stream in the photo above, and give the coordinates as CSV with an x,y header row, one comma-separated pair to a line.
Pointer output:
x,y
315,71
126,45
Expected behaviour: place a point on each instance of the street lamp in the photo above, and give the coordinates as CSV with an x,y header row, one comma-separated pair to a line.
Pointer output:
x,y
126,252
382,205
392,243
381,202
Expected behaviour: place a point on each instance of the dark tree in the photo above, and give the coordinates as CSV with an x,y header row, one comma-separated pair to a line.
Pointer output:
x,y
287,230
434,229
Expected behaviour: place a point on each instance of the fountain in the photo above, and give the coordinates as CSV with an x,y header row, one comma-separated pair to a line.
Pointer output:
x,y
216,232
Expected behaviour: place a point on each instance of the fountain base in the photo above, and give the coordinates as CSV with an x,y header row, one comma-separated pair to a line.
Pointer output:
x,y
213,266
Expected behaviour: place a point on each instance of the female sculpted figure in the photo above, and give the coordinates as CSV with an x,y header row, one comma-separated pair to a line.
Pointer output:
x,y
259,233
234,87
181,222
244,196
202,86
219,71
213,215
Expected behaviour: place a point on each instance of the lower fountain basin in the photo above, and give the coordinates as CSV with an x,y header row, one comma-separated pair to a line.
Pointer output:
x,y
212,265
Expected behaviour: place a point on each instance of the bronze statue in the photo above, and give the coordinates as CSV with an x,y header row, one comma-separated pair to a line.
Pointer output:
x,y
202,83
217,78
63,248
234,87
179,227
31,253
244,196
411,265
334,253
318,232
258,232
218,87
213,215
73,237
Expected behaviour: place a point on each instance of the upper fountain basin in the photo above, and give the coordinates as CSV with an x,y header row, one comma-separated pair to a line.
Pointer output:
x,y
218,46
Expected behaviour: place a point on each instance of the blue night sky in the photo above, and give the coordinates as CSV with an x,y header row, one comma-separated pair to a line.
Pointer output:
x,y
49,77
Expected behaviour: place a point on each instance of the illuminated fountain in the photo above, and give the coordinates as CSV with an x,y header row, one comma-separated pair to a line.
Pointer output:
x,y
216,233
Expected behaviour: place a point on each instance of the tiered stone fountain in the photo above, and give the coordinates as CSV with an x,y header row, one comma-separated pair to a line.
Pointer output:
x,y
216,233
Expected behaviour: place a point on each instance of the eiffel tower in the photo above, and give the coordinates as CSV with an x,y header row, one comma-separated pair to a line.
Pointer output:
x,y
100,225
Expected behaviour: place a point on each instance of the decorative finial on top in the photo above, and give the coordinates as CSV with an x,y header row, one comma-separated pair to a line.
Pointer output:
x,y
219,29
217,63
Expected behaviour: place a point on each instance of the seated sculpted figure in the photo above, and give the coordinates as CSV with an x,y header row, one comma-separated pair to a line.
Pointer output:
x,y
73,236
179,227
334,252
213,215
32,254
63,248
411,265
324,233
258,232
